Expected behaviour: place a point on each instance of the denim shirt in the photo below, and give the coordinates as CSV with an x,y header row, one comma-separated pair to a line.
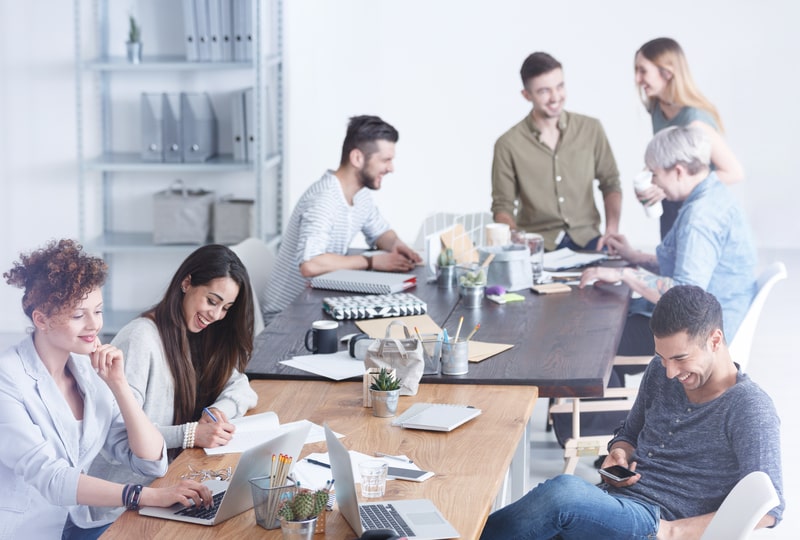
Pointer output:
x,y
711,246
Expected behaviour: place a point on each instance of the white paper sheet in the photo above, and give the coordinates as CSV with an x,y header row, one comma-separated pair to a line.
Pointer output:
x,y
315,476
255,429
337,366
564,258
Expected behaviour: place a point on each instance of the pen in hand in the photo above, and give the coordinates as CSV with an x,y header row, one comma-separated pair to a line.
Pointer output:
x,y
210,415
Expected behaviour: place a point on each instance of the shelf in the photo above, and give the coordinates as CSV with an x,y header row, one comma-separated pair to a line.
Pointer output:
x,y
171,63
134,242
120,162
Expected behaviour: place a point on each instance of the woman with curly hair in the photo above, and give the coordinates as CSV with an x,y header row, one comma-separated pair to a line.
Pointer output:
x,y
186,356
671,97
64,398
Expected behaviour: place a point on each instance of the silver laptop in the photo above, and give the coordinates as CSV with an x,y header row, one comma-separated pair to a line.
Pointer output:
x,y
416,518
235,496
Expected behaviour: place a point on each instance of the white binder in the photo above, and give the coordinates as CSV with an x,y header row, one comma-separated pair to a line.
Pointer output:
x,y
241,22
248,30
202,30
238,126
199,127
151,120
250,124
214,30
189,28
171,129
226,29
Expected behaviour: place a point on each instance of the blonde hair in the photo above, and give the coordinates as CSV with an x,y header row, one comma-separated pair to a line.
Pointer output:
x,y
668,56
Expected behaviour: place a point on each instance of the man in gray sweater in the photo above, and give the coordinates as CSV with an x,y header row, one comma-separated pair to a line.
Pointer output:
x,y
697,427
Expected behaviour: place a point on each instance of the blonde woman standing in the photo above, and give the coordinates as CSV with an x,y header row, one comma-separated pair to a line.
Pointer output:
x,y
672,99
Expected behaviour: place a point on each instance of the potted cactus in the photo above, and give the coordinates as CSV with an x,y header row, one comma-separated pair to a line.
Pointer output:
x,y
134,43
446,263
298,515
472,284
385,392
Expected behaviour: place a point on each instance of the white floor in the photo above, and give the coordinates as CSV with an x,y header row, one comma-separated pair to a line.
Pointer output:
x,y
771,366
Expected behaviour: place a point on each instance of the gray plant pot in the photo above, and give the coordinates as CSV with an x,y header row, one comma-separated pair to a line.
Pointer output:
x,y
134,49
384,403
446,277
298,530
471,297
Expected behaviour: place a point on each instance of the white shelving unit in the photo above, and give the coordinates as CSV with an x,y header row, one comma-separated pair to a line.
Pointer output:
x,y
110,169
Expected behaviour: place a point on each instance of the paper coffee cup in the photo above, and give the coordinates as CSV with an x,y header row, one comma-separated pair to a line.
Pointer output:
x,y
641,182
498,234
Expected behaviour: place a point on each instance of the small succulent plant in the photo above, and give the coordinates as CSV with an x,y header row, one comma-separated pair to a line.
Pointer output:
x,y
304,505
446,257
384,381
134,30
473,278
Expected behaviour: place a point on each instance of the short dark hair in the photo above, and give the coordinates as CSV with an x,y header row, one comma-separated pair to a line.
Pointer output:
x,y
686,308
536,64
363,132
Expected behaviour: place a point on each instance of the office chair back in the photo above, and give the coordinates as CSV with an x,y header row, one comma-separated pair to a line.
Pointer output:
x,y
259,258
742,342
749,500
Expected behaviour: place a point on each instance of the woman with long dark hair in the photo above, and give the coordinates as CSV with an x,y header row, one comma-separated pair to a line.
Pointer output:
x,y
187,355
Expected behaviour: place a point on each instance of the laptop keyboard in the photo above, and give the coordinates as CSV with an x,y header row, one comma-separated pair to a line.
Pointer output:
x,y
384,516
201,512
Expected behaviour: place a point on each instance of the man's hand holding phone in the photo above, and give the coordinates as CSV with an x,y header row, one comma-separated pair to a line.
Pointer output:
x,y
617,472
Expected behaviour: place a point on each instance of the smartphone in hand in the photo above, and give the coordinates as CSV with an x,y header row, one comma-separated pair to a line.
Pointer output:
x,y
617,473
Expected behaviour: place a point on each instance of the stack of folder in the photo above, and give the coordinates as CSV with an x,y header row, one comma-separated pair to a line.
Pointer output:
x,y
218,30
178,127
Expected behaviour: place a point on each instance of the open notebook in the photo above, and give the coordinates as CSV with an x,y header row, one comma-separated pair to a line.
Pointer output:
x,y
436,416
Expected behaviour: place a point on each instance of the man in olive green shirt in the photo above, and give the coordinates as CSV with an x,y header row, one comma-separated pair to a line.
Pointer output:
x,y
544,167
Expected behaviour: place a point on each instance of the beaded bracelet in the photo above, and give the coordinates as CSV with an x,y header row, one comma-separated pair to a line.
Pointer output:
x,y
188,435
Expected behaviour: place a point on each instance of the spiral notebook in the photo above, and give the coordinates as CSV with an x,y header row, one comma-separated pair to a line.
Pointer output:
x,y
436,416
364,281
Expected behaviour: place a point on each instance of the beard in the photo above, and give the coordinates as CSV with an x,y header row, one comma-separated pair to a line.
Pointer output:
x,y
367,181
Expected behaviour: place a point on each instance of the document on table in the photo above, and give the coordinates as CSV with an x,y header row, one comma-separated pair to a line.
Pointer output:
x,y
313,475
253,429
481,350
376,328
564,258
337,366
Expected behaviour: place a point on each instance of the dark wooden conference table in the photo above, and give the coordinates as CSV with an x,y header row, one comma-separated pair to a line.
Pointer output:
x,y
564,344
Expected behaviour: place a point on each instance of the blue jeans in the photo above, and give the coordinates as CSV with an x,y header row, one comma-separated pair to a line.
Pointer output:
x,y
73,532
569,507
567,242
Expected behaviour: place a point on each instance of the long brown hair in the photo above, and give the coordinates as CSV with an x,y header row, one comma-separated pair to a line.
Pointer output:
x,y
202,363
668,56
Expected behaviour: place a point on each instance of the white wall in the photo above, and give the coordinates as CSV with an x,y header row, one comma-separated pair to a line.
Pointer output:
x,y
446,75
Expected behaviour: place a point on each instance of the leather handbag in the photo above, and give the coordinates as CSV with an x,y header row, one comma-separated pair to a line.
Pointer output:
x,y
405,356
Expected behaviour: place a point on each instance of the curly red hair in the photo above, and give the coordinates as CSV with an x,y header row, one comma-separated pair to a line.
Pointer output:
x,y
56,277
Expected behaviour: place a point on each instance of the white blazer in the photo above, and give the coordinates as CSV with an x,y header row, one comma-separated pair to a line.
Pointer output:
x,y
45,449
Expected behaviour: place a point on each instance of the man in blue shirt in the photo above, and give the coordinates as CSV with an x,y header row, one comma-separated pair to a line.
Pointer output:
x,y
697,427
710,245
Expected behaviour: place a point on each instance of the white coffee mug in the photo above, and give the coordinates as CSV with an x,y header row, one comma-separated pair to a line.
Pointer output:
x,y
498,234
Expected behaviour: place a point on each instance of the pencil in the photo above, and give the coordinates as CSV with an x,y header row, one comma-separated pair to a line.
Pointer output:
x,y
416,330
458,330
469,337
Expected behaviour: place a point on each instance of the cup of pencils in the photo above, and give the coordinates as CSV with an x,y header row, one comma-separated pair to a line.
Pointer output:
x,y
271,490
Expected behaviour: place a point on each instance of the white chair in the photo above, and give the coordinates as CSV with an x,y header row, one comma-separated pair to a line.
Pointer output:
x,y
577,445
742,342
258,257
749,500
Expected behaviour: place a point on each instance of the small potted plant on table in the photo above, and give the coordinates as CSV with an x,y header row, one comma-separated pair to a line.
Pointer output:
x,y
446,264
385,391
472,284
298,515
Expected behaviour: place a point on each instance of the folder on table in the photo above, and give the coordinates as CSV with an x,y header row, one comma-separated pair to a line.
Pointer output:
x,y
250,123
189,29
199,127
202,30
151,121
214,30
241,22
238,126
171,129
363,281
